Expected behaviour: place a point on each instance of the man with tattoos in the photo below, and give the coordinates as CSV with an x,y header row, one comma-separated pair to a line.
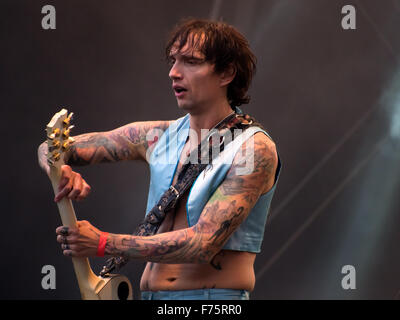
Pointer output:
x,y
206,246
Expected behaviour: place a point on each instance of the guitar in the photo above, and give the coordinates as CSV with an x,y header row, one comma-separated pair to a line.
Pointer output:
x,y
92,287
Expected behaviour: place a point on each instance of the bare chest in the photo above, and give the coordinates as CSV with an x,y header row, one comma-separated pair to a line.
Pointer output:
x,y
176,219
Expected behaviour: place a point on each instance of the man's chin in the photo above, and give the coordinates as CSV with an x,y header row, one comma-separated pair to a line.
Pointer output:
x,y
184,106
193,109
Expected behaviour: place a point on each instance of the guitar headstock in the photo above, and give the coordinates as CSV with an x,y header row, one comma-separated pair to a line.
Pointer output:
x,y
58,137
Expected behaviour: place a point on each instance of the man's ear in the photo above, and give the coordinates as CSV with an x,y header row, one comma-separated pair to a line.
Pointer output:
x,y
227,76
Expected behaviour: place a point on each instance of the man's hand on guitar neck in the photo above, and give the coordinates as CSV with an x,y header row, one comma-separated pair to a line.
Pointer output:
x,y
81,241
72,185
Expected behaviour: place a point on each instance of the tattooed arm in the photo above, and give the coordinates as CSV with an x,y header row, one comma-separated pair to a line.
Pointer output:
x,y
125,143
224,212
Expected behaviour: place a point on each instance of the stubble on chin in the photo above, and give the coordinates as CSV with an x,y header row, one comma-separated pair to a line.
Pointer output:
x,y
185,106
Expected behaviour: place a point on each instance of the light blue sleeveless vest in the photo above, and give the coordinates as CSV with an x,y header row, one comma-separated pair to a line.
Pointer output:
x,y
164,161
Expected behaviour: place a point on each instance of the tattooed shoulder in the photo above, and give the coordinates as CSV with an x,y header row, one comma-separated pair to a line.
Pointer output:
x,y
253,167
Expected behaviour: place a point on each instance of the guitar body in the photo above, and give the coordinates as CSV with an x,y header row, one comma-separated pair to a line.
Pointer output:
x,y
116,287
92,287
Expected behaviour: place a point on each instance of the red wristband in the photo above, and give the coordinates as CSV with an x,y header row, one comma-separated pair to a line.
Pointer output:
x,y
102,244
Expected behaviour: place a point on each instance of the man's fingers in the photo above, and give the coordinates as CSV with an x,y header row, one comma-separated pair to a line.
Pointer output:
x,y
68,253
66,190
72,251
76,188
67,231
63,239
65,171
65,246
65,176
63,182
62,231
66,239
85,191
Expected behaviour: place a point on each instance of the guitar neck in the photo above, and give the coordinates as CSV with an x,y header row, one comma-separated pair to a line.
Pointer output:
x,y
88,282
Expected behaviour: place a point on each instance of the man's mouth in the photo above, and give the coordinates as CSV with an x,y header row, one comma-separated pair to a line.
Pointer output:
x,y
179,90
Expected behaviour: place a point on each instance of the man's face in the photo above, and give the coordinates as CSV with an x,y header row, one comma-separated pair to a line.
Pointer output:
x,y
194,81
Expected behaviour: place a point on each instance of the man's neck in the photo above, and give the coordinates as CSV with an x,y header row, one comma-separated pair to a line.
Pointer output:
x,y
209,118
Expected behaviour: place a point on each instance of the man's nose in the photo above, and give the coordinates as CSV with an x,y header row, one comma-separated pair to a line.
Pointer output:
x,y
174,72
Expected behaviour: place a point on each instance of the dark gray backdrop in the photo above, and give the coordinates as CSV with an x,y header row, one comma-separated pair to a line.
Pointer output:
x,y
329,97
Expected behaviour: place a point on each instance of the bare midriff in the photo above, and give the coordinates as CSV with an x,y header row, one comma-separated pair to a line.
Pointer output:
x,y
231,269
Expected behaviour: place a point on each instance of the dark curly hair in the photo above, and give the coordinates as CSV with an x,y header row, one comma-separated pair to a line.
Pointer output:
x,y
223,46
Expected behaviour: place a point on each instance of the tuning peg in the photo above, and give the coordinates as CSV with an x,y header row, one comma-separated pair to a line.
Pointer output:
x,y
56,143
71,140
56,156
56,133
67,120
65,145
66,132
50,162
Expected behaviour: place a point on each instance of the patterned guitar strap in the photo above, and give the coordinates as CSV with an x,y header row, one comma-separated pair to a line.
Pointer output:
x,y
205,152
